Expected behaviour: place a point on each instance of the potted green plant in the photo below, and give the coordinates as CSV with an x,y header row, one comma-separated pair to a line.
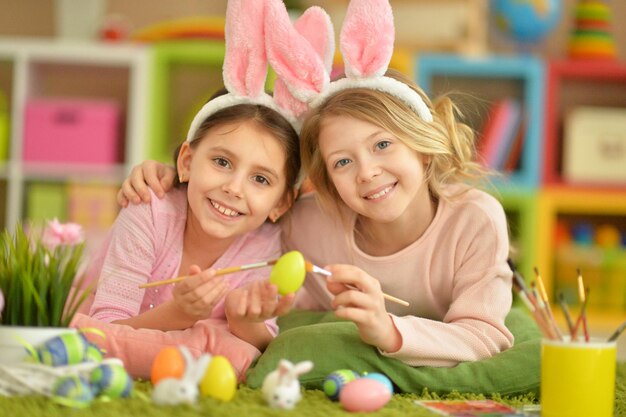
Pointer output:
x,y
38,279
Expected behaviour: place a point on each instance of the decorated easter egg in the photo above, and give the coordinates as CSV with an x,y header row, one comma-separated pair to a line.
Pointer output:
x,y
65,349
168,363
220,380
380,378
112,380
335,381
72,391
364,394
289,272
93,353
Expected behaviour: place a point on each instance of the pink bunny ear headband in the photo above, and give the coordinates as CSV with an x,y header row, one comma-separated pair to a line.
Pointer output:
x,y
245,67
366,43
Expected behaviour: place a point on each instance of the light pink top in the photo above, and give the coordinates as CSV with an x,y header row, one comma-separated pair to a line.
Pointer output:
x,y
146,244
455,277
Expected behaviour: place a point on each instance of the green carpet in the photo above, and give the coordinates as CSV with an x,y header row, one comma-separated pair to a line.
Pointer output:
x,y
249,402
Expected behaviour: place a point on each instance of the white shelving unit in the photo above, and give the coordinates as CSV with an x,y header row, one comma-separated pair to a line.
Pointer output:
x,y
88,70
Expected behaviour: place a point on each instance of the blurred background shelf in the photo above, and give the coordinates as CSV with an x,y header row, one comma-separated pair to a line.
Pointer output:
x,y
64,85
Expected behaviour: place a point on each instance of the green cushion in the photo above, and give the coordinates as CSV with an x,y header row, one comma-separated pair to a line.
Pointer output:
x,y
332,344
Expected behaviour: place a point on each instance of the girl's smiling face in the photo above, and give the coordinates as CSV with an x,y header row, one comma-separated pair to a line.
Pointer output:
x,y
374,172
236,179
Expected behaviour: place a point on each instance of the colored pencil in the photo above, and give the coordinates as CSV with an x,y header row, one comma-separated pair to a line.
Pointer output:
x,y
583,295
546,301
582,319
617,332
530,301
568,317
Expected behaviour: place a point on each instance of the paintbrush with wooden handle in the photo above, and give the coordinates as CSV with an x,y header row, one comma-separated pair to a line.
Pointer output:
x,y
222,271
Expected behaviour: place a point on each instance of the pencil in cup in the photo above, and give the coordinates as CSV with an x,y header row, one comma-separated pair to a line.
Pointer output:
x,y
222,271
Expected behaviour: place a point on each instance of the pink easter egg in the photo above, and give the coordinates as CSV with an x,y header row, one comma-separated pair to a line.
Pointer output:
x,y
364,394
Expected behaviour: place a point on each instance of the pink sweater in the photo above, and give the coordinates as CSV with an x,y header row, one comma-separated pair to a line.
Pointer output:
x,y
455,277
146,244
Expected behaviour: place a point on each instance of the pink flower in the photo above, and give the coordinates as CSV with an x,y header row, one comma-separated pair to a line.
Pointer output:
x,y
61,234
1,302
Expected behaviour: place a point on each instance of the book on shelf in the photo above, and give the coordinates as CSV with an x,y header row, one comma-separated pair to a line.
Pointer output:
x,y
499,132
514,154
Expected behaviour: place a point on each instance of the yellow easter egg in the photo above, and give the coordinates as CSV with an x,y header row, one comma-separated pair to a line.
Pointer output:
x,y
168,363
288,273
219,381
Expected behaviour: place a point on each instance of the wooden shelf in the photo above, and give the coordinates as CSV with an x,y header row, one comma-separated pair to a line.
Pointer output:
x,y
570,84
51,69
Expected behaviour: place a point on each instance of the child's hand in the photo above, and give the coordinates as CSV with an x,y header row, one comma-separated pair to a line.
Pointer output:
x,y
256,302
153,174
197,295
363,304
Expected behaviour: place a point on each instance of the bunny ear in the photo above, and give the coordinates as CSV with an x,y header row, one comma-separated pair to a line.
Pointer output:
x,y
303,367
199,368
187,356
284,369
315,26
293,58
245,62
367,37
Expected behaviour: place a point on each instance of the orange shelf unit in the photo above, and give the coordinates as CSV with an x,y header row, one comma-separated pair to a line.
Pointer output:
x,y
571,84
560,201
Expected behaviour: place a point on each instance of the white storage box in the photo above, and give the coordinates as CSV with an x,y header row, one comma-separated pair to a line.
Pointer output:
x,y
594,145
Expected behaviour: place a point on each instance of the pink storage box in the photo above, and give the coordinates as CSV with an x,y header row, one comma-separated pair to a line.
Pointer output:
x,y
76,131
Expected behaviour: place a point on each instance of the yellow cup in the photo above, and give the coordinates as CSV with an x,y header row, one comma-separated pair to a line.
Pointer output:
x,y
578,378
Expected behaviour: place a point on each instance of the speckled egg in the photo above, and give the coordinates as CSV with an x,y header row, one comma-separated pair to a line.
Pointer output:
x,y
364,395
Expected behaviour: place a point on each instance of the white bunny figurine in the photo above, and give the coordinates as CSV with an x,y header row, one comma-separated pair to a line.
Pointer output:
x,y
173,391
281,388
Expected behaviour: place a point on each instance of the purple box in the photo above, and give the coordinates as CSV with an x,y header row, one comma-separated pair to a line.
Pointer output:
x,y
75,131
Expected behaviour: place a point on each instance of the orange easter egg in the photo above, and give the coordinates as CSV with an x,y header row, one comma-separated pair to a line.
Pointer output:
x,y
168,363
289,272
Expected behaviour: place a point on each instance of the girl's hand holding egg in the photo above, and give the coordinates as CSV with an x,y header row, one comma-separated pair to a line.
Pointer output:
x,y
256,302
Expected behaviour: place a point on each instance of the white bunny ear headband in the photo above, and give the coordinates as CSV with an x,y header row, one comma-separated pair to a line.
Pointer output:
x,y
366,43
245,67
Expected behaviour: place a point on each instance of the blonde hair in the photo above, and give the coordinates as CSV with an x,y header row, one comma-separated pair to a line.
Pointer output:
x,y
448,143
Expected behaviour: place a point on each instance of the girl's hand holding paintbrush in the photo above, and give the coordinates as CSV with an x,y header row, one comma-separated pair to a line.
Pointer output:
x,y
359,298
197,295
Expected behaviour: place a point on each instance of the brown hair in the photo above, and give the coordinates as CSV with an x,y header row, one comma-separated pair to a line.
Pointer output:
x,y
267,119
449,143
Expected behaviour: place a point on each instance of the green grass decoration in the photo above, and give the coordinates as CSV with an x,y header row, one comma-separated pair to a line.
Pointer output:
x,y
249,402
37,281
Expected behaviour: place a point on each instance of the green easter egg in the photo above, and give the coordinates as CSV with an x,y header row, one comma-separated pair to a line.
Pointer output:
x,y
288,273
